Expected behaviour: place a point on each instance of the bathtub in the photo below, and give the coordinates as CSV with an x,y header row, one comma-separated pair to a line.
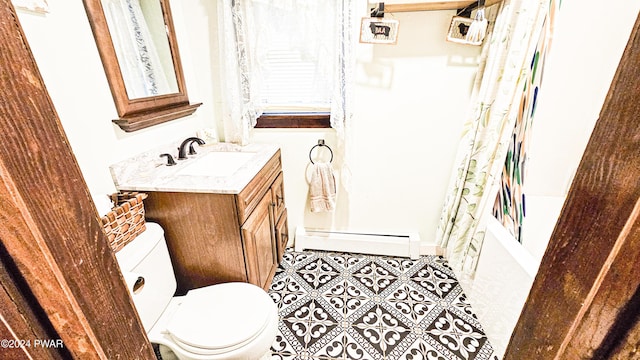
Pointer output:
x,y
506,269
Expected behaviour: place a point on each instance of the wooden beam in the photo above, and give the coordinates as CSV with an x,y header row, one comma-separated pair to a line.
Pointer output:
x,y
610,309
626,347
433,5
19,322
51,237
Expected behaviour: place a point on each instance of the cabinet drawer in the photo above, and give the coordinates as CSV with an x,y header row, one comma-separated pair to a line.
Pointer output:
x,y
277,196
251,195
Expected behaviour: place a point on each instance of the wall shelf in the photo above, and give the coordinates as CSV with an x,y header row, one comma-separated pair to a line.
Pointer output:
x,y
432,5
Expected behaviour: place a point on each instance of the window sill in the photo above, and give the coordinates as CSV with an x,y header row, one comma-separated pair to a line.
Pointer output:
x,y
294,120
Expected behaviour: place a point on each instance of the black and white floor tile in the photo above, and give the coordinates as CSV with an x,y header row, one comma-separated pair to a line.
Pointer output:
x,y
352,306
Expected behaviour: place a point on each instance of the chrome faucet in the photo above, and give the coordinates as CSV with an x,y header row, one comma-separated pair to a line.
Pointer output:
x,y
182,150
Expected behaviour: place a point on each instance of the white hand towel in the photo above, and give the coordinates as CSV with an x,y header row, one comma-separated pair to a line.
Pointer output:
x,y
322,189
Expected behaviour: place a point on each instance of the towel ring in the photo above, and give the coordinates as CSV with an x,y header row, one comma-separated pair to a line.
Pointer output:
x,y
321,144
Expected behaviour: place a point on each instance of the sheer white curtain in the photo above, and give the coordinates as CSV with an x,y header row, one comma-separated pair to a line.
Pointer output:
x,y
322,32
342,98
137,55
240,108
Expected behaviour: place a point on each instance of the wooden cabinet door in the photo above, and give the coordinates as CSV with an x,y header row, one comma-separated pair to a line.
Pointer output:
x,y
259,244
202,235
277,195
282,235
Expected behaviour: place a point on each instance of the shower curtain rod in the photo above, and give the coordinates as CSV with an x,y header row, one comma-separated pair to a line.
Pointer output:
x,y
434,5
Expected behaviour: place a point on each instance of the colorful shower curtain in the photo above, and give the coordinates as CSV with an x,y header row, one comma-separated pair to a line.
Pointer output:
x,y
510,204
491,120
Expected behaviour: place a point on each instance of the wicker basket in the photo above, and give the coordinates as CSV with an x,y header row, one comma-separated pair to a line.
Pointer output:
x,y
126,220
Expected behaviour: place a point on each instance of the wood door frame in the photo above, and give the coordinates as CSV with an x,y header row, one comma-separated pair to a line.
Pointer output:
x,y
63,281
59,277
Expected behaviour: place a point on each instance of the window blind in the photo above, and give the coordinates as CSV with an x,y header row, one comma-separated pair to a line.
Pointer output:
x,y
293,82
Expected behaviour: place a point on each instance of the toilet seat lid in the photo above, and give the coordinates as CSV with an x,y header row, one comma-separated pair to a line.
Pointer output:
x,y
221,316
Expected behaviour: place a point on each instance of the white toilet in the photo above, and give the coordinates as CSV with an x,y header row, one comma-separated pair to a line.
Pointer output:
x,y
225,321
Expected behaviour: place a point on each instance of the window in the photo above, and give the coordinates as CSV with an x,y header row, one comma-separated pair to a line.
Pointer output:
x,y
296,48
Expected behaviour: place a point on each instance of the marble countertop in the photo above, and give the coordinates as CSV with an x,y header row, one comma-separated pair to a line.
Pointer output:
x,y
149,172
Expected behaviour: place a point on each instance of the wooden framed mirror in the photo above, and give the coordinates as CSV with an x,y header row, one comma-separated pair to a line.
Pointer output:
x,y
139,52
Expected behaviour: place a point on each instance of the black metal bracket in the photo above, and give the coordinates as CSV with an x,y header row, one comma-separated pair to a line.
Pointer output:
x,y
378,11
466,11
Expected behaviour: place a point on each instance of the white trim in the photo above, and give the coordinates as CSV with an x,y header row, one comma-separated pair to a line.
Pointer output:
x,y
402,244
38,6
519,254
431,249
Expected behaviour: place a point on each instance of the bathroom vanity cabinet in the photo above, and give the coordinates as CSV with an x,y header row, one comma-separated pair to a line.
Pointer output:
x,y
220,237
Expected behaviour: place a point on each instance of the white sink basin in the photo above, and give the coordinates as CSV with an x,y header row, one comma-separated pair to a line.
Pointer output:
x,y
217,163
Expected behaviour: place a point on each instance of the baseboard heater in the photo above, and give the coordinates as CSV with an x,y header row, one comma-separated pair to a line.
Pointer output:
x,y
403,245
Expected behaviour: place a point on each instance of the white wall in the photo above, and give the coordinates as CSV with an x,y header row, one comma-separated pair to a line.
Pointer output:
x,y
411,99
577,76
410,104
67,56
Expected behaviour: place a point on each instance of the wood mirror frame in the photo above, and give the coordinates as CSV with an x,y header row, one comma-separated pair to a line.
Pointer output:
x,y
140,113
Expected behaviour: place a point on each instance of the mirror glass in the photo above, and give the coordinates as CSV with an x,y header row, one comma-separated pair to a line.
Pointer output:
x,y
142,47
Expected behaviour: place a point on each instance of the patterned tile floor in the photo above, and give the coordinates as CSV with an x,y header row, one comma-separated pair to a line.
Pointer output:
x,y
351,306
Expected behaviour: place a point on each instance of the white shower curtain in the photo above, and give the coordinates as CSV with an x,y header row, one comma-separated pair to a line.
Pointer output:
x,y
488,130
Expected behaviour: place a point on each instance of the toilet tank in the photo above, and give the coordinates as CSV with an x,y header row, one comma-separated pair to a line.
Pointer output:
x,y
146,261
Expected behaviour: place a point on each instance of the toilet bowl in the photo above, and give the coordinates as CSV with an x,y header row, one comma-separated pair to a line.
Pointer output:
x,y
224,321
